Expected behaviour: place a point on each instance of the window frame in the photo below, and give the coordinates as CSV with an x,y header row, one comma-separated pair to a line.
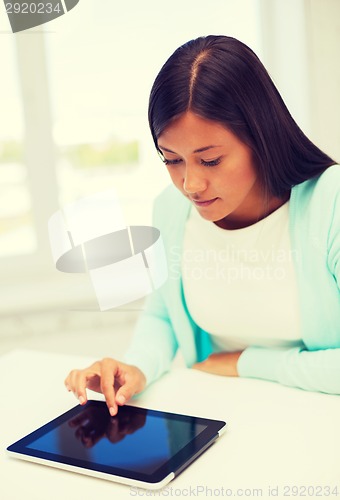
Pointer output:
x,y
39,157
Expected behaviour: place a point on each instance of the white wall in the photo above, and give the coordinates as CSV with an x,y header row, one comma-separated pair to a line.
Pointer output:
x,y
301,50
324,55
284,49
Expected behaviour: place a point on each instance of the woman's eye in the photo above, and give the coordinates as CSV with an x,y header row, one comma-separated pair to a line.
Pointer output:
x,y
211,163
205,163
171,162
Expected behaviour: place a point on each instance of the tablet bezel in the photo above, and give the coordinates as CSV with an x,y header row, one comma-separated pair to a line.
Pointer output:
x,y
161,476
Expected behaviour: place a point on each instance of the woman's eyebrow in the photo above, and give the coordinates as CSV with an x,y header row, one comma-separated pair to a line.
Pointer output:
x,y
199,150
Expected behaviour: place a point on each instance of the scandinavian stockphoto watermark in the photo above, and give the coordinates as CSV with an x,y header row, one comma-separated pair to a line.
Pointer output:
x,y
125,263
231,264
23,15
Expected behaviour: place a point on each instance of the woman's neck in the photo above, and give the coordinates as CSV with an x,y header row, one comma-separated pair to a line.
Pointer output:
x,y
268,207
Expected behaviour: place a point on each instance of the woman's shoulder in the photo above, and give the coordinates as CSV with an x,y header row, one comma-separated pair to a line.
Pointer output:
x,y
315,203
329,179
170,204
168,194
171,199
325,188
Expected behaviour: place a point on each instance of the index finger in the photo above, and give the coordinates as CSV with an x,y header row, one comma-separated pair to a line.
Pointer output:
x,y
107,379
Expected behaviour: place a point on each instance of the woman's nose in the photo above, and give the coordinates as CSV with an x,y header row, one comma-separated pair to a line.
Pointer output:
x,y
192,182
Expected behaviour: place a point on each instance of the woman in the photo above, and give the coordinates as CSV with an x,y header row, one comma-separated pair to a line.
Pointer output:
x,y
252,234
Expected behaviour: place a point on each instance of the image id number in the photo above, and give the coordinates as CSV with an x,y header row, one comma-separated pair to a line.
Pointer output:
x,y
310,491
32,8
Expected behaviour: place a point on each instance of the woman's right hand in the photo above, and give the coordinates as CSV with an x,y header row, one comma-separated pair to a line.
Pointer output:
x,y
117,381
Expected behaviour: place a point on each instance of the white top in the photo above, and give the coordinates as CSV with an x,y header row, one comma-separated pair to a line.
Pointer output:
x,y
240,284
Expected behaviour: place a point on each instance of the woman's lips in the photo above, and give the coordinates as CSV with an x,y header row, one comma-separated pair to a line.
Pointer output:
x,y
203,203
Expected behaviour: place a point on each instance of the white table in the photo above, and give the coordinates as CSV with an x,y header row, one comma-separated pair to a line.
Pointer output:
x,y
277,437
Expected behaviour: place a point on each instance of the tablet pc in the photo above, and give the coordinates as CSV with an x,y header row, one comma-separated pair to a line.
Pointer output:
x,y
138,446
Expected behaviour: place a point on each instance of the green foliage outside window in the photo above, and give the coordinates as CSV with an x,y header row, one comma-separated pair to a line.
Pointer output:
x,y
82,155
11,152
108,154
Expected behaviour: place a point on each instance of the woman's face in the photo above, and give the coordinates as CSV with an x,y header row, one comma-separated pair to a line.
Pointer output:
x,y
214,169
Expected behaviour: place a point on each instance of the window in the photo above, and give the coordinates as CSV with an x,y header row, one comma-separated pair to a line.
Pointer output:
x,y
17,232
74,113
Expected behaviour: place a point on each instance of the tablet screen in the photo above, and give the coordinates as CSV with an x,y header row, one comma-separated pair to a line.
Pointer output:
x,y
138,444
134,440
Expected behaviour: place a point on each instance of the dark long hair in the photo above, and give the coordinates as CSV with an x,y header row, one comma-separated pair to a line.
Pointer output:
x,y
221,79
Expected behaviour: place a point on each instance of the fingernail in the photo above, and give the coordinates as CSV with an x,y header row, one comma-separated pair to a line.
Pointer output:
x,y
112,411
81,400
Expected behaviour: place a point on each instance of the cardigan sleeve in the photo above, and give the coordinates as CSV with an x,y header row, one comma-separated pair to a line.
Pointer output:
x,y
317,370
296,367
154,343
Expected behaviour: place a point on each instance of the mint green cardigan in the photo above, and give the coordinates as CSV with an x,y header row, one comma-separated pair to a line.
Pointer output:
x,y
165,325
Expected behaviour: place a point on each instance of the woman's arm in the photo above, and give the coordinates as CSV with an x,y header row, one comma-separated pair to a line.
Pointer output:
x,y
149,356
314,370
220,363
310,370
296,367
154,343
